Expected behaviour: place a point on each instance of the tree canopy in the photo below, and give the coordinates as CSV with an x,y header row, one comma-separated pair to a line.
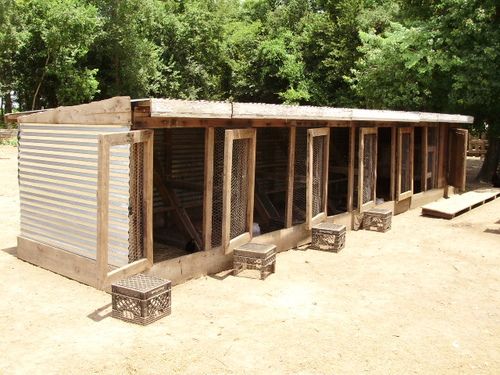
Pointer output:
x,y
441,56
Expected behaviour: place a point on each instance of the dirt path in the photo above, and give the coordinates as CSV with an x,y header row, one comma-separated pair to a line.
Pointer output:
x,y
423,298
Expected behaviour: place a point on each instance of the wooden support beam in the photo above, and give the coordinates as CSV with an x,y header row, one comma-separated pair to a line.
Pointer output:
x,y
291,178
102,209
350,171
209,187
393,162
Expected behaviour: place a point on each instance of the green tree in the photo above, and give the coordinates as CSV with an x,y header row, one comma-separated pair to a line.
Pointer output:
x,y
127,53
440,56
12,39
50,64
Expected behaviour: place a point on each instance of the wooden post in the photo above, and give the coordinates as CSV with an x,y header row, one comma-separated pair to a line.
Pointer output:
x,y
350,172
291,178
209,186
102,210
326,160
394,142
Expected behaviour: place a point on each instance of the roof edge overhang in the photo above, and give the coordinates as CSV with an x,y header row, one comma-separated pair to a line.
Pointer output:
x,y
175,108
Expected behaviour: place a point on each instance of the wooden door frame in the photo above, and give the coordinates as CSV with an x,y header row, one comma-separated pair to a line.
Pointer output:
x,y
230,135
311,134
365,206
105,142
405,194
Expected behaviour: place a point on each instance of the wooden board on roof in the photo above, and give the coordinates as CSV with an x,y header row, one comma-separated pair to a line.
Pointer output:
x,y
112,111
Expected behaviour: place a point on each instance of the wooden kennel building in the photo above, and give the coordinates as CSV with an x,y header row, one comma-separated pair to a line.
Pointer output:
x,y
170,187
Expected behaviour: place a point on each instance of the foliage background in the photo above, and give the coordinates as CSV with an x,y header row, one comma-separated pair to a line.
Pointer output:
x,y
425,55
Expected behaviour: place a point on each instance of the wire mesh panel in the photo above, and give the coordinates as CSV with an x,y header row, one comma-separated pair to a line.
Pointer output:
x,y
369,167
318,193
136,209
317,175
217,187
239,187
367,179
432,145
405,163
299,188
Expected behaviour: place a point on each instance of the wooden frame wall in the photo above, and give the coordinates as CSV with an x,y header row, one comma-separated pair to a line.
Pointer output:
x,y
311,134
366,205
105,141
228,243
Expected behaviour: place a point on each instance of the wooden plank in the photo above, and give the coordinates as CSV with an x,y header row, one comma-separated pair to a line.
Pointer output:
x,y
209,186
112,111
102,210
190,109
57,260
130,269
226,189
457,204
291,178
426,197
238,241
318,218
350,172
134,136
243,133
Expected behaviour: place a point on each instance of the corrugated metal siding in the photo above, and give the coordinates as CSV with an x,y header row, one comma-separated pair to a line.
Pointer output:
x,y
58,186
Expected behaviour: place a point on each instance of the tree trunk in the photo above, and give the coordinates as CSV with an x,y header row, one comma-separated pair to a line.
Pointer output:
x,y
40,82
8,103
492,157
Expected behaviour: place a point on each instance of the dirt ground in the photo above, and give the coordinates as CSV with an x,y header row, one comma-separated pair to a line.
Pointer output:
x,y
423,298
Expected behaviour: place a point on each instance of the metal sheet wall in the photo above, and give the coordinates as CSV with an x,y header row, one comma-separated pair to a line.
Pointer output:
x,y
58,186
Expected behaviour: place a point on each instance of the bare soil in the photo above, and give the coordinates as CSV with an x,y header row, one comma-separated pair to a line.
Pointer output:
x,y
422,298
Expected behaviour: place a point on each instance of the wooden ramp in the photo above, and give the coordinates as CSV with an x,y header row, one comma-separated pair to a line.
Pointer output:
x,y
458,204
